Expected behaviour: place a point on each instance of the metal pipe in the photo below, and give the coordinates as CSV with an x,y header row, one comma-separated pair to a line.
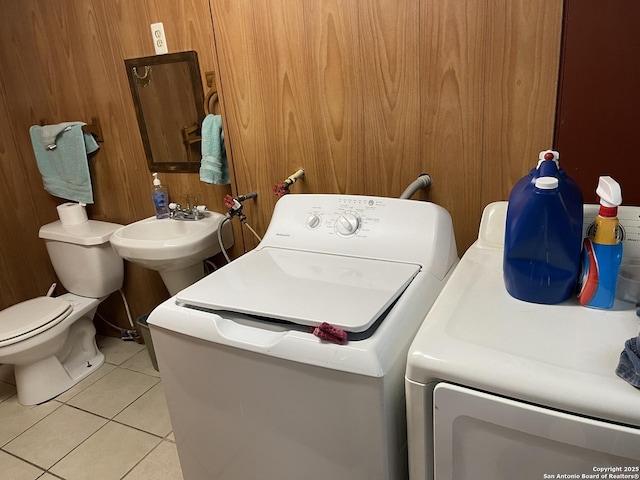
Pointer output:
x,y
281,189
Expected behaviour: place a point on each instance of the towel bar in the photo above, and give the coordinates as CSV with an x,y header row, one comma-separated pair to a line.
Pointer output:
x,y
93,128
212,94
188,131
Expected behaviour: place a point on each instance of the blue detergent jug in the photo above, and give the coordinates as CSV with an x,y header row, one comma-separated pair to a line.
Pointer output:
x,y
543,234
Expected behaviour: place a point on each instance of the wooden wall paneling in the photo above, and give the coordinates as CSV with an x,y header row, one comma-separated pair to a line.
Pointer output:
x,y
282,60
129,200
452,58
267,93
390,95
25,271
292,96
337,91
29,88
322,85
521,78
118,197
66,62
188,27
242,101
286,94
66,84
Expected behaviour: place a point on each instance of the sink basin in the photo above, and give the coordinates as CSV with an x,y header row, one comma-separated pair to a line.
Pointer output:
x,y
175,248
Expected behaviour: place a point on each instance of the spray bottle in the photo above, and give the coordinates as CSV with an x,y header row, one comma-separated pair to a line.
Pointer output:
x,y
602,250
160,198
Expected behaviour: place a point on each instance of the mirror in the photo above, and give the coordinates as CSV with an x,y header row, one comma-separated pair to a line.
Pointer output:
x,y
167,94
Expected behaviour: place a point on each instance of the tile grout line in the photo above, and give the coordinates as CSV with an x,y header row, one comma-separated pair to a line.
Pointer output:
x,y
108,420
32,425
142,459
161,438
23,460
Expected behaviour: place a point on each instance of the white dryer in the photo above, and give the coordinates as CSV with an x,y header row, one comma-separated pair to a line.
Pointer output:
x,y
253,394
502,389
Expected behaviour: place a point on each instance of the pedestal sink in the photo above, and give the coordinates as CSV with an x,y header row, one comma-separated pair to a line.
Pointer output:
x,y
175,248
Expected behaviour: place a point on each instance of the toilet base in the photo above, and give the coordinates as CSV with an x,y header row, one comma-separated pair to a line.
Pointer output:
x,y
47,378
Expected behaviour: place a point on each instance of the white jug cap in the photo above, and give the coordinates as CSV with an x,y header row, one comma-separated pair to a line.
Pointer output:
x,y
547,183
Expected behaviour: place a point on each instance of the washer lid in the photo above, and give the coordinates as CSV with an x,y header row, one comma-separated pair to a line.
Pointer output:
x,y
306,288
27,318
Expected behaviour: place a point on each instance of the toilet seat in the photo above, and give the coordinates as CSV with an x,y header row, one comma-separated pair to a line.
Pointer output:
x,y
31,317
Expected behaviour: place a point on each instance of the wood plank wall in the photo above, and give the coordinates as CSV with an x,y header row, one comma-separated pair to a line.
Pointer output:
x,y
365,95
63,60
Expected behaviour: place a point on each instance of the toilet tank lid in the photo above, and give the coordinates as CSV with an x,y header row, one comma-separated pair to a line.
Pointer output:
x,y
91,232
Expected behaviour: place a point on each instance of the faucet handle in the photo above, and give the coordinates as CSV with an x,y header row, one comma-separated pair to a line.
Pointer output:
x,y
174,206
201,208
188,199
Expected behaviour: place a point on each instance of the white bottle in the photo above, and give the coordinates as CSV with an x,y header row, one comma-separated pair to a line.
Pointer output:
x,y
160,198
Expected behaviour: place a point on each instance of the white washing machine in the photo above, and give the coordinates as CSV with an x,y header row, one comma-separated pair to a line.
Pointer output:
x,y
253,394
502,389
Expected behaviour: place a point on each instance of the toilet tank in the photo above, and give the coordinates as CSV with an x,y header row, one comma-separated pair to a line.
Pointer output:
x,y
83,258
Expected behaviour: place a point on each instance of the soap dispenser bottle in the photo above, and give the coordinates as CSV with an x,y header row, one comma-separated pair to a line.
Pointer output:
x,y
602,250
160,198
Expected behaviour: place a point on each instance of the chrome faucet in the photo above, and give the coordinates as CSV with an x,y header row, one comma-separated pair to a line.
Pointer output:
x,y
176,212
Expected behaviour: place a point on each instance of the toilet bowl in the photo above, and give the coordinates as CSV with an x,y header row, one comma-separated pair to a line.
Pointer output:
x,y
51,341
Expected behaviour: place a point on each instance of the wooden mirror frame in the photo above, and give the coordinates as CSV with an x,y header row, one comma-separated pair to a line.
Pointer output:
x,y
165,116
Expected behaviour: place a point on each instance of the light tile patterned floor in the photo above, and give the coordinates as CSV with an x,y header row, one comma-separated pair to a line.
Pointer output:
x,y
114,425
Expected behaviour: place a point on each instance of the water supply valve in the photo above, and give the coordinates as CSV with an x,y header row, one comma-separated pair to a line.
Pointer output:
x,y
234,204
282,189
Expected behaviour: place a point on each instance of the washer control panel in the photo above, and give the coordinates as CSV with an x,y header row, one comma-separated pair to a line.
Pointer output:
x,y
347,216
364,226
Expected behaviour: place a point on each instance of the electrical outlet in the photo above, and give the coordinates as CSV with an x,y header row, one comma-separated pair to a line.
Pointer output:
x,y
159,39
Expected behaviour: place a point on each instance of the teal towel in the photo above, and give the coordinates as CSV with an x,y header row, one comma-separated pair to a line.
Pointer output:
x,y
61,154
213,166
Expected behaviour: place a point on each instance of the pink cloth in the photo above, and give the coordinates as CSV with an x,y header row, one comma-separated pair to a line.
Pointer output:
x,y
328,332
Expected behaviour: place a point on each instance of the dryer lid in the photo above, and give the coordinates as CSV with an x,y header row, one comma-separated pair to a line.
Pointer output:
x,y
30,316
306,288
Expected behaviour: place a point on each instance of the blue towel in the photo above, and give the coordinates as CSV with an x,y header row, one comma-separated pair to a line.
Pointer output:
x,y
213,166
629,364
61,154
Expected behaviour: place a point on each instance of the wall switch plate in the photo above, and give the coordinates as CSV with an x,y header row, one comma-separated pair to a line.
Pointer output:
x,y
159,39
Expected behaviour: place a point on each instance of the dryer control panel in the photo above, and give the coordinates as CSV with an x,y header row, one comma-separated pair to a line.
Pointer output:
x,y
493,220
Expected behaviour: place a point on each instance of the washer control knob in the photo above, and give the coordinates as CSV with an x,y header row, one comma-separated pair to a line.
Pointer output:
x,y
313,221
347,224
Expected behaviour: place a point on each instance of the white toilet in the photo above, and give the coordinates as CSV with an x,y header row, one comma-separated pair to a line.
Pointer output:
x,y
51,341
